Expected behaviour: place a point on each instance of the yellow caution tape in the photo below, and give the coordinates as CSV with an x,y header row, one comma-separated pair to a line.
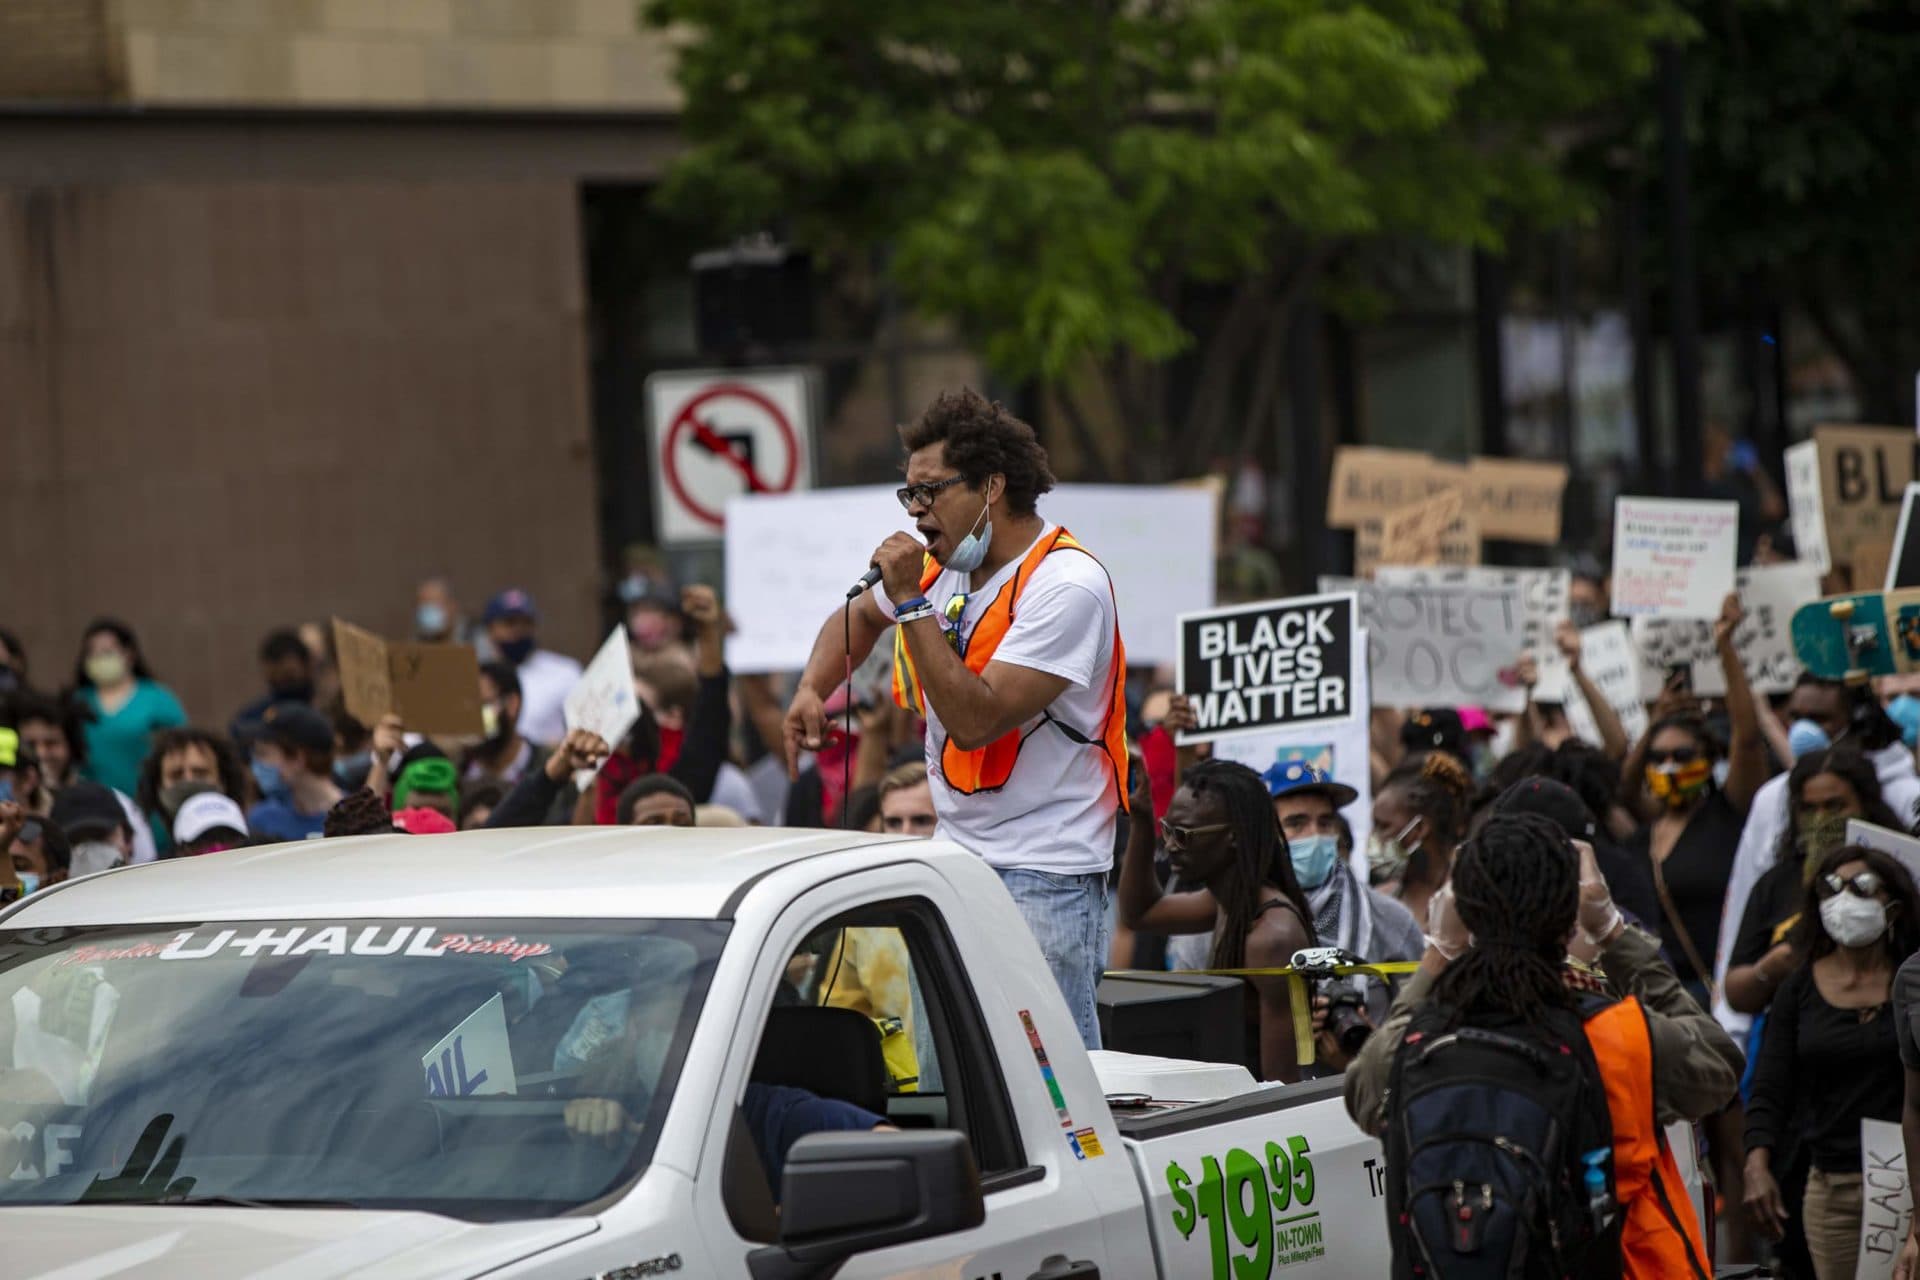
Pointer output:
x,y
1296,989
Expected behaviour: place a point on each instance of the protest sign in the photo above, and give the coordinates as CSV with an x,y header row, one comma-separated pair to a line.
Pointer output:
x,y
1903,567
1673,558
1803,504
1276,664
1863,473
1611,662
1886,1206
1897,844
1459,544
1440,644
434,688
791,558
1343,749
1769,594
1415,535
473,1058
602,701
1544,595
1516,500
1375,483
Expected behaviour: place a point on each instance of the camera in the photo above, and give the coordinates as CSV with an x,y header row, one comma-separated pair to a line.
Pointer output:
x,y
1346,1002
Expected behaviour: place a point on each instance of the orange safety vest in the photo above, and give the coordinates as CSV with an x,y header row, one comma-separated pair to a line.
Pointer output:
x,y
1661,1236
988,768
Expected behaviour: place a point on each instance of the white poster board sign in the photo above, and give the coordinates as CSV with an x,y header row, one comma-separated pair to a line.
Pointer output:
x,y
1544,594
1343,750
1886,1206
791,558
1608,656
1673,558
473,1058
1436,645
602,700
1769,594
1803,504
1896,844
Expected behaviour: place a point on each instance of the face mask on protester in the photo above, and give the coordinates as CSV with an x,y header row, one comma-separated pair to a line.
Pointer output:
x,y
489,720
1313,858
1679,785
6,790
516,651
1821,834
351,771
971,553
106,668
292,691
90,856
1584,615
1853,921
430,620
29,881
175,794
1804,737
1388,858
270,779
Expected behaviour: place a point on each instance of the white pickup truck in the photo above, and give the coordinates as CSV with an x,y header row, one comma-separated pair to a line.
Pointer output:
x,y
575,1054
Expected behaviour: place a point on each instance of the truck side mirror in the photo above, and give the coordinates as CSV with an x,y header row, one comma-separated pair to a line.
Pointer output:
x,y
849,1193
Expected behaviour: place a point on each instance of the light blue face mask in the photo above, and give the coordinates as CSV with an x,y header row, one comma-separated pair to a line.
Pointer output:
x,y
29,881
1313,859
972,550
272,783
1804,737
430,620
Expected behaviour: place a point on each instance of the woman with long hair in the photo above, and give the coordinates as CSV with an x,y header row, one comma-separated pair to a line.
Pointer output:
x,y
1830,1058
1220,832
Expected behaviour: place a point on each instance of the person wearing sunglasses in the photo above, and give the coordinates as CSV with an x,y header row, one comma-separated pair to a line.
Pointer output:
x,y
1833,1052
1221,833
1008,643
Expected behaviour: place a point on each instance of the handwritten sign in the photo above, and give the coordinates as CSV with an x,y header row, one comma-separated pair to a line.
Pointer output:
x,y
1544,595
1673,558
1804,505
1374,483
602,701
1435,644
1417,535
435,688
1863,473
1459,544
1516,500
1611,662
1886,1206
1269,665
1769,594
474,1058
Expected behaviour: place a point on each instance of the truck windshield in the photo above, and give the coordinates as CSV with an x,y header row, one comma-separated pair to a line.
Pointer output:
x,y
481,1069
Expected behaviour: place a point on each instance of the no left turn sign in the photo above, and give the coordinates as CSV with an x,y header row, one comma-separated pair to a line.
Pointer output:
x,y
717,433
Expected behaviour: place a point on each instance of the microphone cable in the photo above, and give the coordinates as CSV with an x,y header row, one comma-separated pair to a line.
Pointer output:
x,y
846,760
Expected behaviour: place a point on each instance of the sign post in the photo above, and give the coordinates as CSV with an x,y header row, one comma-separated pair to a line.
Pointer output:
x,y
717,433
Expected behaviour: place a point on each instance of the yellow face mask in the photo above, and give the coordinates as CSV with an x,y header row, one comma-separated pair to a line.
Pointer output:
x,y
1678,785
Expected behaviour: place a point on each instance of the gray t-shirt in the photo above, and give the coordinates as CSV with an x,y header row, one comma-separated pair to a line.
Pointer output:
x,y
1906,1011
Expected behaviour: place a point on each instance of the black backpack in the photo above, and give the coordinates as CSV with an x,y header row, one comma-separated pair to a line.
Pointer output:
x,y
1493,1137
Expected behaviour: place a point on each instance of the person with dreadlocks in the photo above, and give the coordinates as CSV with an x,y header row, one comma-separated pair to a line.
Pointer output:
x,y
1496,963
1221,833
1419,815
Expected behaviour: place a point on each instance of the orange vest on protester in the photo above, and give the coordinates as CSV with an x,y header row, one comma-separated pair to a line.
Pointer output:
x,y
988,768
1661,1237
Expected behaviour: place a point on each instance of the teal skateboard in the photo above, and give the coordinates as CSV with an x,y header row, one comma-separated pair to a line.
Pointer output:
x,y
1859,636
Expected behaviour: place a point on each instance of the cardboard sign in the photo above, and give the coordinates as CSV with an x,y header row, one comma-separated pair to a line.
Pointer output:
x,y
603,700
1769,594
1373,483
1459,544
791,558
434,688
1886,1206
1417,535
1434,644
1673,558
1517,500
1903,567
1863,473
1608,656
474,1058
1343,750
1276,664
1803,503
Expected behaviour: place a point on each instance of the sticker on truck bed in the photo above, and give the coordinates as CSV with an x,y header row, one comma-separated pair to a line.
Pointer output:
x,y
1084,1143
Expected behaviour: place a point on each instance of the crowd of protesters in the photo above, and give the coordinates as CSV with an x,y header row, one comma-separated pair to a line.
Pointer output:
x,y
1720,834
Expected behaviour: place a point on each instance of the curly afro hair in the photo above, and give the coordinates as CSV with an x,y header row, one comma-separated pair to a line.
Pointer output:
x,y
983,439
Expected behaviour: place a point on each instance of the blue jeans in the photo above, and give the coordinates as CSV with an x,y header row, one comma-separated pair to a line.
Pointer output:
x,y
1068,916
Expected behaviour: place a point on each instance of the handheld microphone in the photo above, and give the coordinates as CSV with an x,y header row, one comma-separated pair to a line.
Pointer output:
x,y
867,582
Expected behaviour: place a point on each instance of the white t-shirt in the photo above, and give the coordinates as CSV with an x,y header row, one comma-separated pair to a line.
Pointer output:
x,y
1058,809
546,678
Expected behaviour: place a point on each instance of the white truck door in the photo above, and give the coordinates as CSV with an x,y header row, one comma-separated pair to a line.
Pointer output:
x,y
882,943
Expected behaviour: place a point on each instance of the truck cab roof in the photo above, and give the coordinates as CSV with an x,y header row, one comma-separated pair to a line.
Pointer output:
x,y
557,872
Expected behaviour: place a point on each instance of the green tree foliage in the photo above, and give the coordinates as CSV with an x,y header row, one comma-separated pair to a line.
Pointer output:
x,y
1804,172
1051,175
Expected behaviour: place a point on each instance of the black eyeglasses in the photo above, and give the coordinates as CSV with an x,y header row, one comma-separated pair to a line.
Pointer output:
x,y
922,495
1685,755
1863,885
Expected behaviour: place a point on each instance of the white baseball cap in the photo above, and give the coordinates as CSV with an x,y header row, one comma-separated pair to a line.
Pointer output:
x,y
208,811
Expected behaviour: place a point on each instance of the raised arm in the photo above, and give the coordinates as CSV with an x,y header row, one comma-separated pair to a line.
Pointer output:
x,y
1144,905
1746,751
1613,734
